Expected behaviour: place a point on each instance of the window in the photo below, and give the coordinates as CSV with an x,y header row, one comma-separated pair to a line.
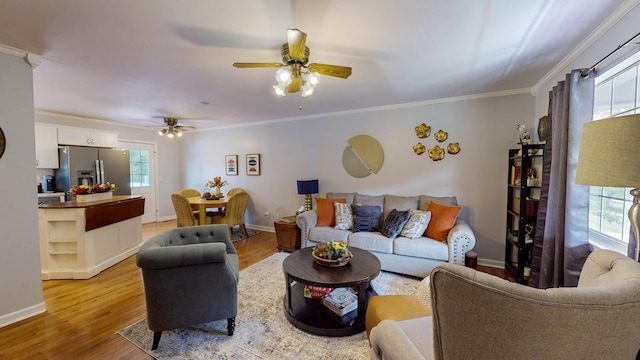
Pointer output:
x,y
617,93
139,164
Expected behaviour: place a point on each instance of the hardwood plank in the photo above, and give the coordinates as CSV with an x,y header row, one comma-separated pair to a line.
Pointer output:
x,y
83,316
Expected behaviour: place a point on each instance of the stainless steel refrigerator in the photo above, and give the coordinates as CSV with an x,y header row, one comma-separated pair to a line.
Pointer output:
x,y
81,165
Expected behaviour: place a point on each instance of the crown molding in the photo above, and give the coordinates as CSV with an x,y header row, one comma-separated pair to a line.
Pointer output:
x,y
606,25
31,58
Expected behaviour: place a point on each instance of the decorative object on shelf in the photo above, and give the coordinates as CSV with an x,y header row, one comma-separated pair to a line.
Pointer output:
x,y
231,164
362,156
92,189
307,187
217,183
543,124
332,254
419,149
523,134
528,230
436,153
609,157
531,177
253,164
441,136
294,74
3,142
453,148
423,131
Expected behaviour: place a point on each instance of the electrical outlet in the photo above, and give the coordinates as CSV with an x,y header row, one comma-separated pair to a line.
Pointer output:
x,y
266,214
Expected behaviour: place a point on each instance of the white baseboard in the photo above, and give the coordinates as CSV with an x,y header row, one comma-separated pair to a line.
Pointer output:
x,y
22,314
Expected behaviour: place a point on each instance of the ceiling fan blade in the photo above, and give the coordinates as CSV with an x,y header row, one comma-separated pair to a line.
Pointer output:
x,y
256,65
331,70
184,127
297,40
295,85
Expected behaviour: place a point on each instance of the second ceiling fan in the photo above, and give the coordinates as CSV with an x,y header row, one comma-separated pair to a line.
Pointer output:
x,y
294,74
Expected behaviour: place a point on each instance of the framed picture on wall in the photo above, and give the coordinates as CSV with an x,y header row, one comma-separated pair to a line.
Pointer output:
x,y
231,164
253,164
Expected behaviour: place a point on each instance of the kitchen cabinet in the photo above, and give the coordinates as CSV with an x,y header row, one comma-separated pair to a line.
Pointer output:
x,y
46,146
87,137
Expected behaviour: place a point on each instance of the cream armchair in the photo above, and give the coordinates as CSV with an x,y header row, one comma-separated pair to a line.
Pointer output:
x,y
480,316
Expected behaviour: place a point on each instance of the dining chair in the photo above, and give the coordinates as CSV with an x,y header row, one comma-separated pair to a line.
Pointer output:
x,y
230,193
185,215
188,192
234,214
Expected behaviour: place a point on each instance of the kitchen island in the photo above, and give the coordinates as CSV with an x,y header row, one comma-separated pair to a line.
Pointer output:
x,y
80,239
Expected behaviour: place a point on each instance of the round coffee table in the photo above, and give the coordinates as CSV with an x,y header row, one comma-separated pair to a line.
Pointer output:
x,y
310,315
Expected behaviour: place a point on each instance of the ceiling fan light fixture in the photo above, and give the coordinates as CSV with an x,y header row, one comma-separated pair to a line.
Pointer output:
x,y
283,76
280,89
313,78
178,133
162,132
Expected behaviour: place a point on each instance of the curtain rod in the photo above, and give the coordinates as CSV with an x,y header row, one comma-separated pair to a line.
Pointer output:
x,y
586,73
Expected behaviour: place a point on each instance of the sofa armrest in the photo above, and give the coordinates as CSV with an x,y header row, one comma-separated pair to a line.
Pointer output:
x,y
154,256
389,340
306,221
461,240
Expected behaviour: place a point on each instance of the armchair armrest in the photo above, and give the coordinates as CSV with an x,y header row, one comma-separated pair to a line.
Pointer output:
x,y
306,221
390,339
460,240
155,256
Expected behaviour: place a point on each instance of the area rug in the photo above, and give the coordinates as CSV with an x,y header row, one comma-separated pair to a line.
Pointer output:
x,y
237,235
262,331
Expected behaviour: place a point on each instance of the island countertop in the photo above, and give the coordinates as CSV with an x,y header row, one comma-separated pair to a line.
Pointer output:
x,y
75,204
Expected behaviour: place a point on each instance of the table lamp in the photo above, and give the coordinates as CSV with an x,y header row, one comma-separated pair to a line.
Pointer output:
x,y
609,156
307,187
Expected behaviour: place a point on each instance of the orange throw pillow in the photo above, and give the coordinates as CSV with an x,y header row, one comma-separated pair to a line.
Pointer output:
x,y
443,218
326,211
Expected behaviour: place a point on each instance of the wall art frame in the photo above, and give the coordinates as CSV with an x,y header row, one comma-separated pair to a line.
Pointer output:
x,y
231,164
253,164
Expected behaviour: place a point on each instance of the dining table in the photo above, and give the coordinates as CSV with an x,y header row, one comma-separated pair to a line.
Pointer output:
x,y
202,205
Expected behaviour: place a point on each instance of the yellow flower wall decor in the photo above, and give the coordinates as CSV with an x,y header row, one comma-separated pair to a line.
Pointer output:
x,y
453,148
423,131
436,153
441,135
419,148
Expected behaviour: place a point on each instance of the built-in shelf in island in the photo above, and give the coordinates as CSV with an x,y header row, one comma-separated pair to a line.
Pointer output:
x,y
80,239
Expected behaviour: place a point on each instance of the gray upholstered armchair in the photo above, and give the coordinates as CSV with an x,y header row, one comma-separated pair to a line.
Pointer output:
x,y
190,277
480,316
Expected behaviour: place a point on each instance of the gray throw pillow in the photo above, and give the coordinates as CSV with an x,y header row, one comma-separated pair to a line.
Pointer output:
x,y
366,217
394,223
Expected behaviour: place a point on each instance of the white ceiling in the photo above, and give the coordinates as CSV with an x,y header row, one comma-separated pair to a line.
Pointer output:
x,y
128,61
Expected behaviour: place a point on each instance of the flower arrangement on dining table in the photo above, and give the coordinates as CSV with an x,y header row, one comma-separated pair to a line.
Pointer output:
x,y
217,183
92,189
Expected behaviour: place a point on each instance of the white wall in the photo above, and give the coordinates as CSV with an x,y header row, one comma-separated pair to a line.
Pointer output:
x,y
19,244
485,129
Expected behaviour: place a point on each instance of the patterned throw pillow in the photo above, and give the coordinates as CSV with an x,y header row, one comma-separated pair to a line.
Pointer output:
x,y
417,224
394,223
344,217
366,217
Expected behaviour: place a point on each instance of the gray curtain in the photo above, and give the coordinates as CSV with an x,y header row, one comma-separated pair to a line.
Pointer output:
x,y
631,249
561,242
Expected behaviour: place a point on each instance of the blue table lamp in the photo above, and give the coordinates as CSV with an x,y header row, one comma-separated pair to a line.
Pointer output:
x,y
307,187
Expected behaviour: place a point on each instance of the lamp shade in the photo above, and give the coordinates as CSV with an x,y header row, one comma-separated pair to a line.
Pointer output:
x,y
307,186
610,152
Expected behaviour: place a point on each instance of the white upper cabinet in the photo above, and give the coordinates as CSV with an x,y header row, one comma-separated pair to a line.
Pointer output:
x,y
46,146
87,137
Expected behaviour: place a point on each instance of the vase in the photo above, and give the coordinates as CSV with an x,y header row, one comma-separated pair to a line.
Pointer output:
x,y
218,192
94,197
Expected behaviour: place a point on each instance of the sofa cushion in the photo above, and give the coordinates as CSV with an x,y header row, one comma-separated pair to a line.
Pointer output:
x,y
361,199
366,217
340,195
394,222
417,224
443,218
399,203
371,241
422,247
324,234
425,200
344,217
326,211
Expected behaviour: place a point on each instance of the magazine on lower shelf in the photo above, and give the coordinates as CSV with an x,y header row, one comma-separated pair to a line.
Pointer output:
x,y
341,301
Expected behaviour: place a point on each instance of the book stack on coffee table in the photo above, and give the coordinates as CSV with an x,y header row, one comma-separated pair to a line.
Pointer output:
x,y
341,301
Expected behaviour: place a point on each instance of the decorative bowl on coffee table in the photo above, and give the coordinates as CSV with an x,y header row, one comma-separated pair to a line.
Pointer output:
x,y
321,257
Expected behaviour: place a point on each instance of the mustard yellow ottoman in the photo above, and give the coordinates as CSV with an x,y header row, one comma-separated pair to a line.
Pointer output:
x,y
394,307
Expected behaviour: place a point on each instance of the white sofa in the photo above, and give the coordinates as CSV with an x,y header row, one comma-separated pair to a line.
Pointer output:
x,y
416,257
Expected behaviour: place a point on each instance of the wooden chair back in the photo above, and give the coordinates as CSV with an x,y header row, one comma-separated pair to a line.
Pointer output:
x,y
234,213
188,192
184,214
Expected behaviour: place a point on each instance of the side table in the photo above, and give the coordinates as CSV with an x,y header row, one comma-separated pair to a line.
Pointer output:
x,y
288,235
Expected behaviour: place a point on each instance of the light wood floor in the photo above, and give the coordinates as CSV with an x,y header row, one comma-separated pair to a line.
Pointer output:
x,y
83,316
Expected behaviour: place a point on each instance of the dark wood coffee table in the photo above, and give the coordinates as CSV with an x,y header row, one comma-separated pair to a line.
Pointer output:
x,y
310,315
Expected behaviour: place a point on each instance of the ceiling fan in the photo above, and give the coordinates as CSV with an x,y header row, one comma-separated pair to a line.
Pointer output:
x,y
294,74
172,128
